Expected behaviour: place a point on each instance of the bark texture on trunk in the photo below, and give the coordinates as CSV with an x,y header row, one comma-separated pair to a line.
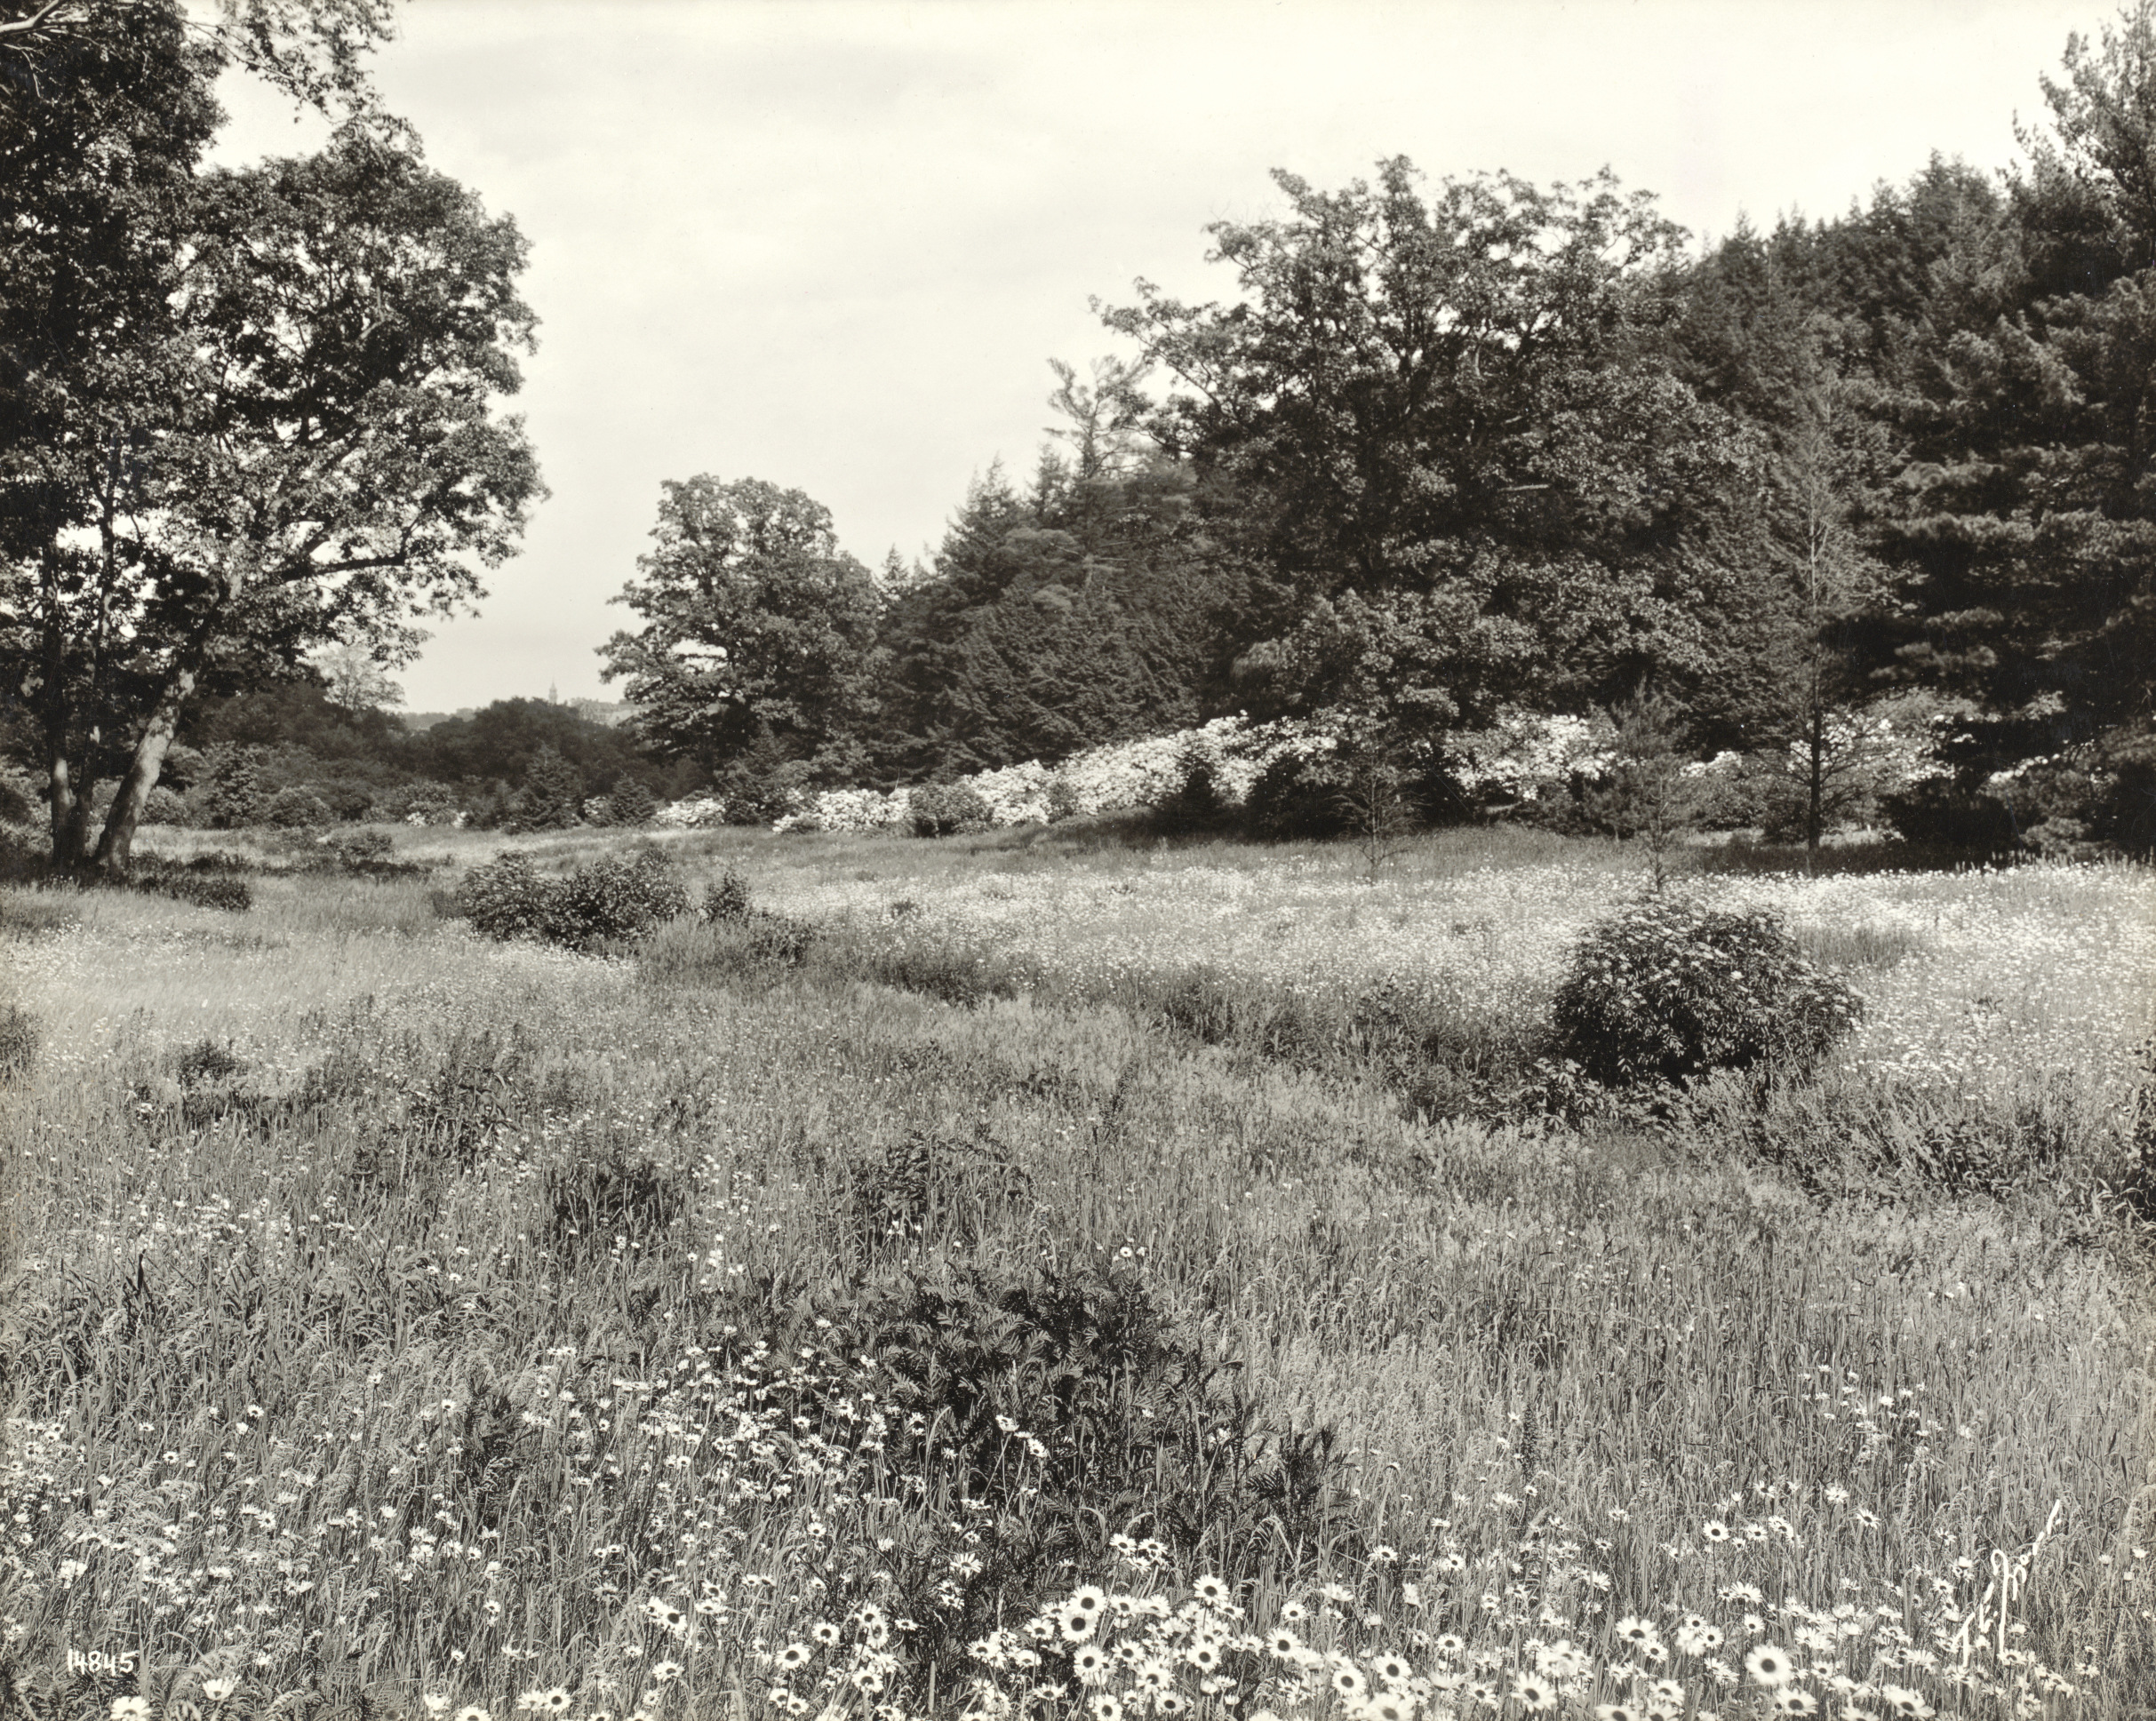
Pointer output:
x,y
63,799
118,840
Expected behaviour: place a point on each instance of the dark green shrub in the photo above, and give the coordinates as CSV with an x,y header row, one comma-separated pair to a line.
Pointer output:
x,y
1297,800
761,788
26,856
630,802
295,807
349,800
233,895
726,898
506,898
21,801
611,898
19,1040
165,806
1196,803
618,1204
948,809
359,849
552,797
1937,814
234,793
614,898
206,886
1671,989
1063,801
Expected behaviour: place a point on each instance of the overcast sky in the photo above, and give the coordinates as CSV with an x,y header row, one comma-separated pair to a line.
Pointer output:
x,y
834,245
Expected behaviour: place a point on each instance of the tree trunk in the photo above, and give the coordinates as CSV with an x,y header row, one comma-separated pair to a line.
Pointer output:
x,y
118,840
66,803
1815,786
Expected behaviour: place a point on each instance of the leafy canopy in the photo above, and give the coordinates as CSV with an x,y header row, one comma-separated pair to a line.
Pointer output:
x,y
1454,427
757,628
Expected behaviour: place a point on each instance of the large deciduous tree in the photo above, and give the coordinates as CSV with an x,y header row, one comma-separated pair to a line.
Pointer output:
x,y
243,414
103,117
757,628
1456,430
321,463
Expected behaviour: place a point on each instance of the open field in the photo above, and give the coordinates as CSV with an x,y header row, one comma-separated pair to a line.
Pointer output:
x,y
685,1330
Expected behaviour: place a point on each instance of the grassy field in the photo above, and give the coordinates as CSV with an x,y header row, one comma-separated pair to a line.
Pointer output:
x,y
1074,1276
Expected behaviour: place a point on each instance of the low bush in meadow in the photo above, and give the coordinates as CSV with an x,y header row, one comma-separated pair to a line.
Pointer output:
x,y
609,898
948,809
206,882
1671,989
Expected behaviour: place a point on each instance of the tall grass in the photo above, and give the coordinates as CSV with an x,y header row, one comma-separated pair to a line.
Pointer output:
x,y
457,1327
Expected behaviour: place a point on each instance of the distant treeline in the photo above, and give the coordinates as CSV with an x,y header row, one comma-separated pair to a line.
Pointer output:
x,y
1448,454
289,754
1485,446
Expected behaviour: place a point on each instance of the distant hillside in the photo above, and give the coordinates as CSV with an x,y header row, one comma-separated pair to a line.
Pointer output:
x,y
420,721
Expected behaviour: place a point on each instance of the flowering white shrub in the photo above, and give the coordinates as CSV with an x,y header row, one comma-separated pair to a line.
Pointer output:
x,y
849,810
1865,755
1525,754
1017,794
1890,749
1127,774
1143,773
699,813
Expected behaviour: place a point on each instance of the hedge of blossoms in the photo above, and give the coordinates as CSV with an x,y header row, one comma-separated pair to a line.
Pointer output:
x,y
1522,756
1876,752
699,813
1526,756
1127,775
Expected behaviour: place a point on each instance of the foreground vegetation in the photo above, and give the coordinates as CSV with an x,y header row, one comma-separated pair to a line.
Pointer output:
x,y
1042,1273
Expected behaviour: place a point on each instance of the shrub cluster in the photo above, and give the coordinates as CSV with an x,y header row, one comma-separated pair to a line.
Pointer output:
x,y
1671,989
948,810
609,898
18,1038
726,898
296,808
1037,1395
206,882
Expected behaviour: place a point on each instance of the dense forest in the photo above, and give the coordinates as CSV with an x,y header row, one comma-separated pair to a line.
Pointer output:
x,y
1445,451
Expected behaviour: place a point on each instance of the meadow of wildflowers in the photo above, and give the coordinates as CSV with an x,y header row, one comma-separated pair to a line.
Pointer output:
x,y
401,1322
